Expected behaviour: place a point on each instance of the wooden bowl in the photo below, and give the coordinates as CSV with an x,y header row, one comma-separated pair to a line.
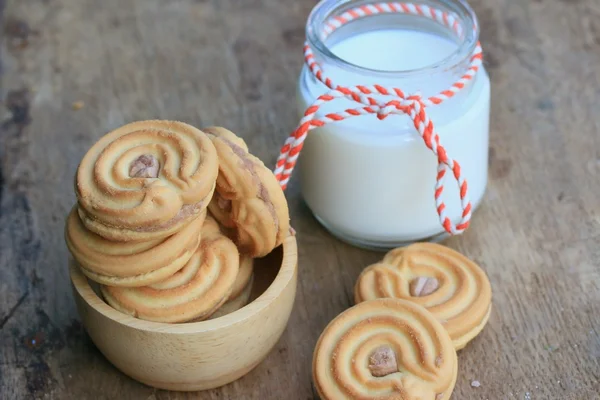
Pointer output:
x,y
198,355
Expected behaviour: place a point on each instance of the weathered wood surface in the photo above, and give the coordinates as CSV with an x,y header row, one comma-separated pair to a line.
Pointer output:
x,y
235,63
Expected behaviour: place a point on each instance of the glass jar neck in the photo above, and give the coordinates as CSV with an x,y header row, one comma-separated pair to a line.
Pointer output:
x,y
420,47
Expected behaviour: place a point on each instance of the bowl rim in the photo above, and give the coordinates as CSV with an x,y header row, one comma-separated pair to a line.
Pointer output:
x,y
287,271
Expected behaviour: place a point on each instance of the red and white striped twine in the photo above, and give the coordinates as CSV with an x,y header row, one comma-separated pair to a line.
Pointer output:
x,y
411,105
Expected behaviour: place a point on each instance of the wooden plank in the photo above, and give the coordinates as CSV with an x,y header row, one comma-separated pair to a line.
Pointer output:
x,y
236,63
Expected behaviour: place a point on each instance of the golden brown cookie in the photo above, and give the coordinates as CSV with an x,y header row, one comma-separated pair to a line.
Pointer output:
x,y
242,288
130,264
385,349
194,292
248,198
452,287
146,180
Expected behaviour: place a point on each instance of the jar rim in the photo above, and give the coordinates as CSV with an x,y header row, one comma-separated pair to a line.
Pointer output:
x,y
325,9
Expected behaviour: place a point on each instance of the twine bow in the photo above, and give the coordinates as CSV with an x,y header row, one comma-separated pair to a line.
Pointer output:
x,y
412,105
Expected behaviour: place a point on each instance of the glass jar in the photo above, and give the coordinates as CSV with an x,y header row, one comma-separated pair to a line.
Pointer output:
x,y
371,182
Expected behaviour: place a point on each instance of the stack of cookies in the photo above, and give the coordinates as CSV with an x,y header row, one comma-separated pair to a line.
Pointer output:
x,y
413,311
169,219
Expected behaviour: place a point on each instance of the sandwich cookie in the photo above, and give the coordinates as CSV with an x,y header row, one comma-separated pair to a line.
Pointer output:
x,y
194,292
449,285
242,288
385,349
146,180
130,264
248,199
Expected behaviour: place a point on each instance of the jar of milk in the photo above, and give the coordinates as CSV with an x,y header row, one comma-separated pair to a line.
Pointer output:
x,y
370,179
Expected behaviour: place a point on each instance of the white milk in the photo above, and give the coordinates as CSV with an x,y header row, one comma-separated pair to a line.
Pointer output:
x,y
371,182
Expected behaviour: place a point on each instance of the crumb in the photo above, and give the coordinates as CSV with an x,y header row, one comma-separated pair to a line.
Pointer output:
x,y
475,384
78,105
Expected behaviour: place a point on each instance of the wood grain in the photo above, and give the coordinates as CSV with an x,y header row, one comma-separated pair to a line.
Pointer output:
x,y
235,63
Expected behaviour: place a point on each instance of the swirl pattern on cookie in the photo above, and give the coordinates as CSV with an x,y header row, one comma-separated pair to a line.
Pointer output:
x,y
146,180
248,198
194,292
242,288
384,349
451,286
130,264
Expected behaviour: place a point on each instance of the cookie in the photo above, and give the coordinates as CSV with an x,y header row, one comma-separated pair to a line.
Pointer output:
x,y
192,293
242,288
248,199
130,264
451,286
146,180
384,349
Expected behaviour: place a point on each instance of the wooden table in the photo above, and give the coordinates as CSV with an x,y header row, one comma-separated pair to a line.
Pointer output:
x,y
74,69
